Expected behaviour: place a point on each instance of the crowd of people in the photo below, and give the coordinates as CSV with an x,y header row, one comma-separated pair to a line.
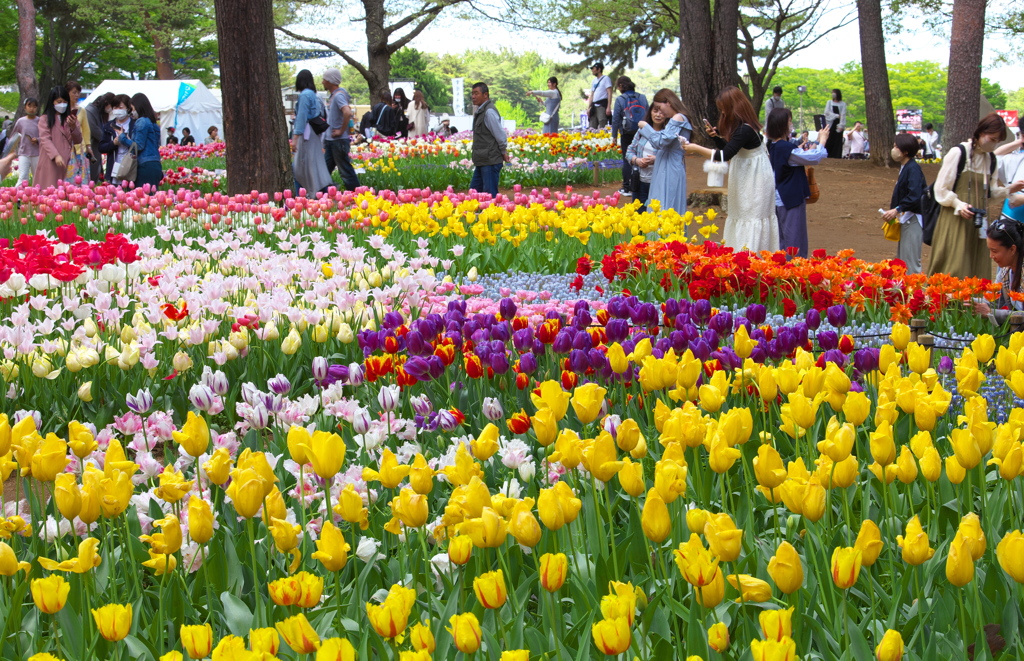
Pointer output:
x,y
116,138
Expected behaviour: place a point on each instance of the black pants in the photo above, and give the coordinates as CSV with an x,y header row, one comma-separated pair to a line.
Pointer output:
x,y
336,154
625,140
834,144
642,195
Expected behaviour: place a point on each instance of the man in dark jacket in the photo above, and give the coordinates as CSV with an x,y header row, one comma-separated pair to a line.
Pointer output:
x,y
97,114
630,109
490,143
385,119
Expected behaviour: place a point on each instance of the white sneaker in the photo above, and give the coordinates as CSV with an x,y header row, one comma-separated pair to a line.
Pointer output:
x,y
623,191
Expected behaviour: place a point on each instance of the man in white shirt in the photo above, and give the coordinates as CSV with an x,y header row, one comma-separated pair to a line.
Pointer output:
x,y
600,97
857,141
932,146
774,101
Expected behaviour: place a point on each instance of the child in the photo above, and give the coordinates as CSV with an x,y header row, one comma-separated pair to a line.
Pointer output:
x,y
28,147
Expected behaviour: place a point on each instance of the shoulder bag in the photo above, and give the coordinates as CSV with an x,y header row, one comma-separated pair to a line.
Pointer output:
x,y
128,168
812,183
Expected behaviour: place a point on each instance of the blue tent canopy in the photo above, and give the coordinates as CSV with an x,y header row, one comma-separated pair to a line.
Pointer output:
x,y
298,54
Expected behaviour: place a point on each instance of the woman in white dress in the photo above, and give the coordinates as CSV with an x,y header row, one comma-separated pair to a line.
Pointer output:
x,y
751,223
419,115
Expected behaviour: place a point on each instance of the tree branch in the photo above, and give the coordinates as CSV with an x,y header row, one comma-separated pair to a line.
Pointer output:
x,y
415,32
354,63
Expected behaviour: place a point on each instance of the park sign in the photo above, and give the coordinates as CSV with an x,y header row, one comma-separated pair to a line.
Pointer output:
x,y
908,120
1010,117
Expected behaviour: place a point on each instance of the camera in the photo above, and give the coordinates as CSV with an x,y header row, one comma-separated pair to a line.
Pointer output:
x,y
979,215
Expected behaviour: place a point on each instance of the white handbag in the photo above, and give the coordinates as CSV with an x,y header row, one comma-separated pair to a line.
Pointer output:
x,y
716,171
545,116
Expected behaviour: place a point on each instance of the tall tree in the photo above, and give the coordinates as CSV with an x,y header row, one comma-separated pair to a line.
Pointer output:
x,y
966,47
384,38
258,156
25,64
707,54
877,95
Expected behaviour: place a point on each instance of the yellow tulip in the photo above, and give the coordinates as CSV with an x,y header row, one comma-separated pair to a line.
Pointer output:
x,y
465,631
390,618
812,503
421,637
298,439
751,588
655,519
515,655
67,495
299,635
612,636
786,568
970,528
9,565
486,444
587,401
332,549
768,467
1010,553
460,548
490,589
741,342
291,344
350,507
160,563
545,426
966,447
246,492
774,650
631,477
336,649
891,647
724,539
265,640
776,624
113,621
49,459
50,593
218,466
718,637
194,436
916,549
230,648
88,558
617,358
696,519
955,472
285,534
857,408
869,542
959,564
552,397
391,473
488,531
168,540
919,359
410,508
200,520
197,640
522,524
553,570
846,564
628,435
326,451
670,479
601,458
80,439
711,398
900,336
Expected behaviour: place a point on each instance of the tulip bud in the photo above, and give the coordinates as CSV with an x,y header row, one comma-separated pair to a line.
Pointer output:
x,y
891,647
113,621
492,409
718,637
553,569
85,391
361,421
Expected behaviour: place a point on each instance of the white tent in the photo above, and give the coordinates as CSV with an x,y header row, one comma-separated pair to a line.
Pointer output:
x,y
178,103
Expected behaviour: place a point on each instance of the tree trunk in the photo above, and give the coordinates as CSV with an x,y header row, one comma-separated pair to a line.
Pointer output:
x,y
963,86
881,121
25,63
162,52
696,62
725,72
378,55
255,131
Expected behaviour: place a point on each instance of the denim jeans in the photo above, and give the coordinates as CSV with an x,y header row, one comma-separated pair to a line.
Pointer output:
x,y
625,140
336,154
485,179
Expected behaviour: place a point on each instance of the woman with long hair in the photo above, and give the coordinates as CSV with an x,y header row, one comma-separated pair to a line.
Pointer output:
x,y
309,165
419,116
660,152
791,186
401,106
552,100
751,223
58,134
835,120
1004,240
146,138
121,125
959,245
905,206
80,159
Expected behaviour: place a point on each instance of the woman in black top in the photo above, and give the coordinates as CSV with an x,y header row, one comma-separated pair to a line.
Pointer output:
x,y
751,224
401,106
905,206
186,137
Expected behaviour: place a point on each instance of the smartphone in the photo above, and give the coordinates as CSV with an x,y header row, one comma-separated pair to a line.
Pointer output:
x,y
706,123
819,122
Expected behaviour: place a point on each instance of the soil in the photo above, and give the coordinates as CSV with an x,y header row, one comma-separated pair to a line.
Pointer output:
x,y
846,215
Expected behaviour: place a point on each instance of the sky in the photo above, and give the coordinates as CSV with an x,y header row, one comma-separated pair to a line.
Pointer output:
x,y
454,35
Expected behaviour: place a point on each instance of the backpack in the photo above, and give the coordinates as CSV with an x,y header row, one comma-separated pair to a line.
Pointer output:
x,y
386,123
633,113
930,208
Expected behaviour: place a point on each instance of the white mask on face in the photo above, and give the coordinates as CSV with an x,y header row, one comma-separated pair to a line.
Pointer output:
x,y
60,107
118,113
896,154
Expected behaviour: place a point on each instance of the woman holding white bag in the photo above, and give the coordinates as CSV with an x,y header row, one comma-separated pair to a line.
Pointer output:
x,y
751,223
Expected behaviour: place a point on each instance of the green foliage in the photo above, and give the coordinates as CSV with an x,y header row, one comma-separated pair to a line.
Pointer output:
x,y
514,113
920,84
410,64
1015,100
9,101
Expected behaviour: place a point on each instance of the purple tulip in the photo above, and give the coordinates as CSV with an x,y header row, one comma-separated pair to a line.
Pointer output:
x,y
527,363
836,315
711,338
507,308
140,402
759,353
418,368
499,362
701,311
392,319
617,307
436,366
678,341
671,308
598,360
827,340
421,404
582,320
562,343
682,320
721,323
945,365
501,331
756,313
866,360
663,345
700,349
812,319
279,385
835,356
416,345
617,330
582,341
522,339
578,361
446,421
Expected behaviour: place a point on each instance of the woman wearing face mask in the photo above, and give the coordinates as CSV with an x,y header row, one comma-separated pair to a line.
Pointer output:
x,y
906,201
58,134
660,151
401,106
121,124
1005,243
959,248
146,137
79,169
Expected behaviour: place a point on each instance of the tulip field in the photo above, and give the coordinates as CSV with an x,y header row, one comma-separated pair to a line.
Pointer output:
x,y
267,426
